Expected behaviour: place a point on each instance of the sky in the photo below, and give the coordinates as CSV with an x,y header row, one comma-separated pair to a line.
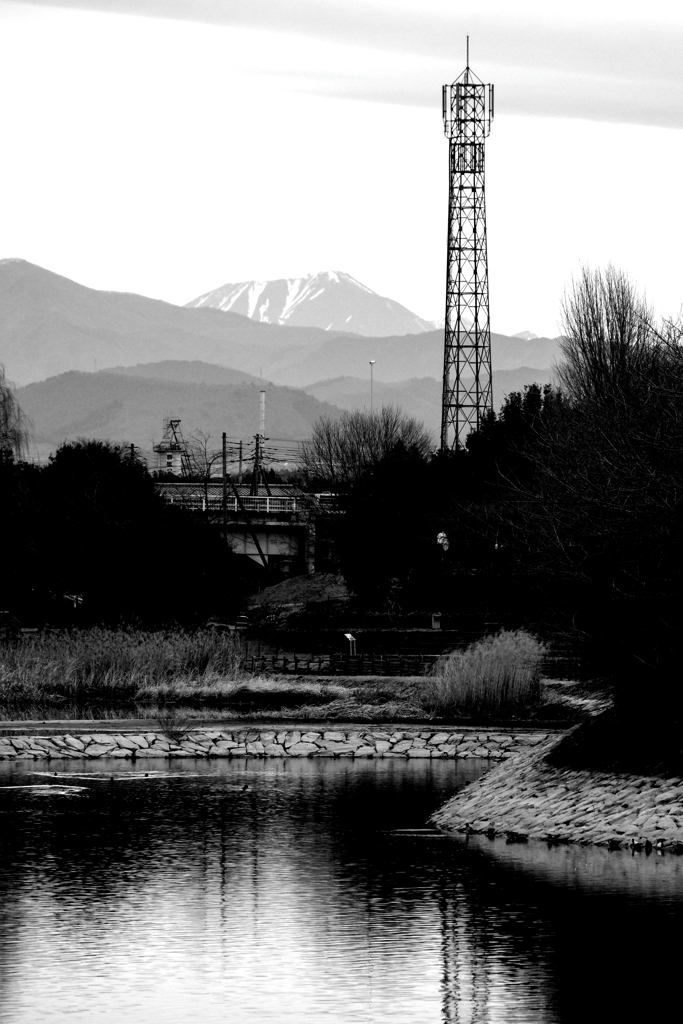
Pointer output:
x,y
167,147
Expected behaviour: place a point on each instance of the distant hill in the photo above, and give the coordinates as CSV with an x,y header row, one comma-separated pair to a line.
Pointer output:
x,y
192,371
129,408
516,353
130,404
402,358
331,299
49,324
420,397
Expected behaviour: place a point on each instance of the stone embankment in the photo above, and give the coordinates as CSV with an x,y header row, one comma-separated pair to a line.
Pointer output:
x,y
403,741
528,799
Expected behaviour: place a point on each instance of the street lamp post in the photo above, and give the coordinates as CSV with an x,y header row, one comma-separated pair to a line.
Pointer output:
x,y
372,363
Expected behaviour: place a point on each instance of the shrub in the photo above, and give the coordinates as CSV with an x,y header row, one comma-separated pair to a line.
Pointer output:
x,y
500,673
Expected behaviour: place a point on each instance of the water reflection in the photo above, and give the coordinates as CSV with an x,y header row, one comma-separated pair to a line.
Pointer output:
x,y
304,898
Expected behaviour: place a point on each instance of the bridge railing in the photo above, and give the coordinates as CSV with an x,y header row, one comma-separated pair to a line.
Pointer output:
x,y
199,499
209,498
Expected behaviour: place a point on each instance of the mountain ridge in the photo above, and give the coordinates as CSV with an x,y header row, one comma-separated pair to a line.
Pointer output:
x,y
50,325
330,299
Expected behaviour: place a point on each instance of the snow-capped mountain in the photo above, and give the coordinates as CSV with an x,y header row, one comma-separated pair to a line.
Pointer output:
x,y
331,299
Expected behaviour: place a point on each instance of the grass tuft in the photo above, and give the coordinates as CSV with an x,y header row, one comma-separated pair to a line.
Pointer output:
x,y
499,674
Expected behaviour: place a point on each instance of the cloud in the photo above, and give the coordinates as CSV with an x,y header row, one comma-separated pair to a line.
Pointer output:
x,y
524,91
595,64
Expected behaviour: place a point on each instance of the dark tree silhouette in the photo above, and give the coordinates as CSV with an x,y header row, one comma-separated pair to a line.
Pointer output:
x,y
94,542
602,508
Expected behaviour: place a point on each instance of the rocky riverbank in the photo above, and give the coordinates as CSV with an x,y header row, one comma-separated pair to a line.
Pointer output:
x,y
529,799
393,741
523,798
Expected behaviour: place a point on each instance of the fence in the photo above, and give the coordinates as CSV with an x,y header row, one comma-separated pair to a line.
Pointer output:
x,y
343,664
559,664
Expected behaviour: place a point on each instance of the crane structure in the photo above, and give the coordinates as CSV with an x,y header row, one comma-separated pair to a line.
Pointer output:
x,y
171,451
467,117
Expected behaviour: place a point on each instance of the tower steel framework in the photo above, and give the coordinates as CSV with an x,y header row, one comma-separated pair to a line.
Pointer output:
x,y
467,117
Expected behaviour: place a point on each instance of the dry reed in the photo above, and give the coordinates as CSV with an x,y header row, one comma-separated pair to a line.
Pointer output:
x,y
117,664
500,673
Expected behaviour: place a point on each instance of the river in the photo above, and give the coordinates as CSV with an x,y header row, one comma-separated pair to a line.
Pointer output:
x,y
309,891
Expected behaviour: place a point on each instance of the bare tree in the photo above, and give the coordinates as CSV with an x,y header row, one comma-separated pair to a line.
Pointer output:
x,y
200,457
342,450
200,460
608,336
15,427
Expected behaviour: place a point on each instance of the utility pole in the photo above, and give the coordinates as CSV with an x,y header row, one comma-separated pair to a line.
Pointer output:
x,y
467,117
259,472
257,466
372,365
225,486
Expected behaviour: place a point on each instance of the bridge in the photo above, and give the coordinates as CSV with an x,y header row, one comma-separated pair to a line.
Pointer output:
x,y
276,529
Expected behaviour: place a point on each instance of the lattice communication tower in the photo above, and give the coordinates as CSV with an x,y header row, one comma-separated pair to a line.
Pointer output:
x,y
467,117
